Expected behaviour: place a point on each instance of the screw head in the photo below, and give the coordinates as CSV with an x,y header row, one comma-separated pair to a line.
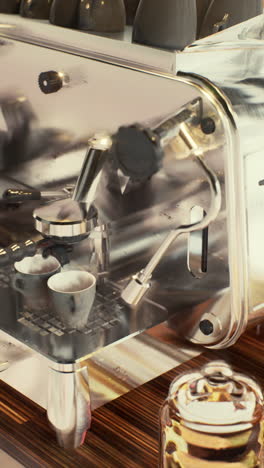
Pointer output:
x,y
206,327
208,126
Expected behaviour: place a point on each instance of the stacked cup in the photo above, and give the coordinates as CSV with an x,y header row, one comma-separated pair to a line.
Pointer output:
x,y
43,288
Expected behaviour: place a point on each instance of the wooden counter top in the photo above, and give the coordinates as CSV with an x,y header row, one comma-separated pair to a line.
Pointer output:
x,y
124,432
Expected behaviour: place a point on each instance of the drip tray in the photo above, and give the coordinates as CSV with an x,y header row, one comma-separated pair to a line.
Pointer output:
x,y
110,321
106,314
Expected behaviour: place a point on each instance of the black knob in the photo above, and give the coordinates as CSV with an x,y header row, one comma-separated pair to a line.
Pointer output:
x,y
137,152
50,82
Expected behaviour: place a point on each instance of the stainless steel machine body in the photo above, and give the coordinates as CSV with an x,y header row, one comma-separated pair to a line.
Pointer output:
x,y
232,60
54,99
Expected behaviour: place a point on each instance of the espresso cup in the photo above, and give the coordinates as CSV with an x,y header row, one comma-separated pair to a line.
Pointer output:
x,y
9,6
35,9
30,280
72,295
168,24
64,13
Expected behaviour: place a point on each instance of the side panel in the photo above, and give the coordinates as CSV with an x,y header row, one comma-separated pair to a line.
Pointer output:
x,y
50,148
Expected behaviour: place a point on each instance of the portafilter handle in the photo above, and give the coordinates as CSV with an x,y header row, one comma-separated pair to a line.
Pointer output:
x,y
17,195
16,252
28,248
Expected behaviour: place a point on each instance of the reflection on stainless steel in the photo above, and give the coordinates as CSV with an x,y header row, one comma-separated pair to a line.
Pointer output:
x,y
64,219
112,371
241,48
215,16
91,172
197,245
122,208
4,366
73,220
140,283
223,24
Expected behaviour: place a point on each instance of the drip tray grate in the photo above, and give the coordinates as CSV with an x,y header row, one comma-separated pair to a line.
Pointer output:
x,y
107,312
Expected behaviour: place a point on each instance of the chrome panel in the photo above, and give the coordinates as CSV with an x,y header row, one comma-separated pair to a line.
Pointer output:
x,y
233,61
137,217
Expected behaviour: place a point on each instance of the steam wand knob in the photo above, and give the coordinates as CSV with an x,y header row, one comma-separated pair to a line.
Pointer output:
x,y
137,152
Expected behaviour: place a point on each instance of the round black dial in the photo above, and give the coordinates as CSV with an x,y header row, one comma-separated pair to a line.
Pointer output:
x,y
50,82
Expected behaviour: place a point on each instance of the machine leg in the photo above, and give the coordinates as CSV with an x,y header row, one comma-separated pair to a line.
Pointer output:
x,y
69,403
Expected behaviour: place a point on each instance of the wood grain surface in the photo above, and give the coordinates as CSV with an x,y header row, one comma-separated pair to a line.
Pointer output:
x,y
125,432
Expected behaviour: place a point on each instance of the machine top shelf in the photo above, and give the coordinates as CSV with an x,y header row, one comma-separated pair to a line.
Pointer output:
x,y
117,48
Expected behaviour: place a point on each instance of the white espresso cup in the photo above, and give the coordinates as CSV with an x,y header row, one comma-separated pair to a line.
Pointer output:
x,y
30,280
72,295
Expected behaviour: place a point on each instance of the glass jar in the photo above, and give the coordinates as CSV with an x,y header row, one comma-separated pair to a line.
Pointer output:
x,y
35,9
168,24
212,417
107,16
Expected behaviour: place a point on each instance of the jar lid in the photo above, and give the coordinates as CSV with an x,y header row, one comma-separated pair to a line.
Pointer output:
x,y
217,399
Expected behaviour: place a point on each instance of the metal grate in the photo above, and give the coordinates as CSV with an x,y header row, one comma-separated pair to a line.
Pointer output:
x,y
106,314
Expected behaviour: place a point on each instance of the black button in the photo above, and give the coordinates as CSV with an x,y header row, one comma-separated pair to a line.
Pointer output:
x,y
208,126
50,82
206,327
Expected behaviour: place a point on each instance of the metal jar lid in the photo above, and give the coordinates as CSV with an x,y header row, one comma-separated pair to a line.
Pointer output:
x,y
216,399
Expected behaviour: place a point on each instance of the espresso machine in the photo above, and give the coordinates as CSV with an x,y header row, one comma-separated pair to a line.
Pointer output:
x,y
146,173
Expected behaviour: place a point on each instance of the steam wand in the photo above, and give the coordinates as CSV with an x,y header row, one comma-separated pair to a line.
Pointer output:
x,y
140,283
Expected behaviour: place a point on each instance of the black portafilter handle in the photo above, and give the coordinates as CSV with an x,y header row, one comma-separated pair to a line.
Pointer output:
x,y
18,195
20,250
16,252
13,195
